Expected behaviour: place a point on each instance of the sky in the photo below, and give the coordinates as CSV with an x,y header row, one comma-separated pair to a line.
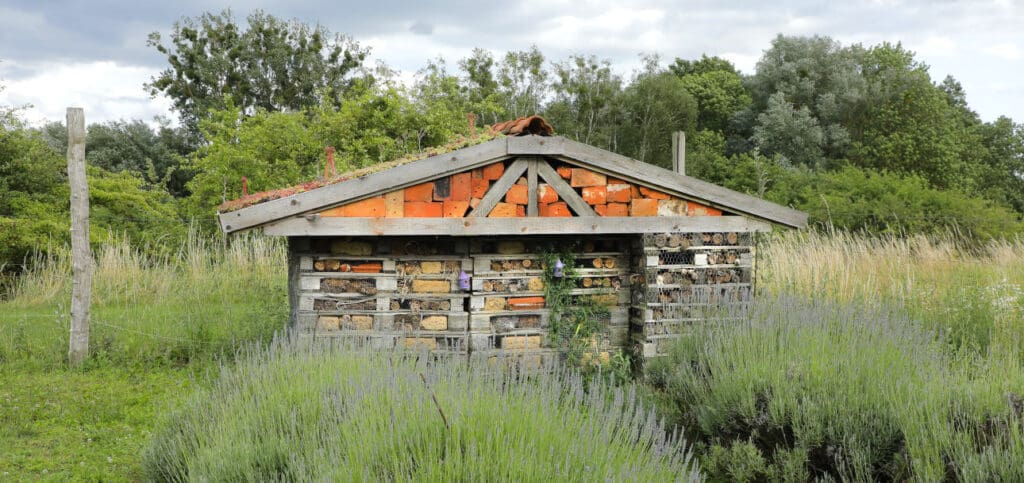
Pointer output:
x,y
93,54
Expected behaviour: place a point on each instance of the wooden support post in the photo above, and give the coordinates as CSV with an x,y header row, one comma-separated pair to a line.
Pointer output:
x,y
81,256
531,183
679,152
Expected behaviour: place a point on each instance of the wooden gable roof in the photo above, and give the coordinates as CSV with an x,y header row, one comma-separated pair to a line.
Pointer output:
x,y
421,200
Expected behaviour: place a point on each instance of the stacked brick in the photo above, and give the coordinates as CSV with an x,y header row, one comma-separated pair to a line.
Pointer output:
x,y
509,315
457,195
687,278
385,294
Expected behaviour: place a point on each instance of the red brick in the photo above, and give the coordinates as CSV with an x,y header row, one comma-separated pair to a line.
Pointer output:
x,y
333,212
634,191
601,210
420,192
546,194
462,186
616,181
555,209
595,195
443,189
423,209
618,209
494,171
619,193
455,209
697,209
368,267
565,171
518,194
503,210
586,177
520,211
394,206
369,208
526,303
652,194
480,188
478,173
643,207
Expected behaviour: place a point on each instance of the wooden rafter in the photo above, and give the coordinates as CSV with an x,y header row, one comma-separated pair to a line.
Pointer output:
x,y
564,190
499,188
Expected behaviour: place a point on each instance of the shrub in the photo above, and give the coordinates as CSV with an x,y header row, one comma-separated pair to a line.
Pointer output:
x,y
842,392
294,413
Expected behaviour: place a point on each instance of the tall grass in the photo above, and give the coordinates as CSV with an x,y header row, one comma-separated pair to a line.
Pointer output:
x,y
973,294
203,299
804,390
290,413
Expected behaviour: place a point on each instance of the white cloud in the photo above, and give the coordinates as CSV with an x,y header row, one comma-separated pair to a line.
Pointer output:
x,y
1006,50
107,91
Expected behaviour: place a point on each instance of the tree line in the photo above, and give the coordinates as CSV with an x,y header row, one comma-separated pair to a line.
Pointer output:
x,y
861,137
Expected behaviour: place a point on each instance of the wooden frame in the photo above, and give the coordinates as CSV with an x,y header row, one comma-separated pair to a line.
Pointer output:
x,y
300,226
555,147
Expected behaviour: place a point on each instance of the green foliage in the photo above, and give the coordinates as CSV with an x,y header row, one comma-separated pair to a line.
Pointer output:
x,y
655,105
583,106
575,321
716,86
271,64
841,392
310,413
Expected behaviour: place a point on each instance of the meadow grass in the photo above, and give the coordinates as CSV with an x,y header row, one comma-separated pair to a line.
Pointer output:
x,y
300,413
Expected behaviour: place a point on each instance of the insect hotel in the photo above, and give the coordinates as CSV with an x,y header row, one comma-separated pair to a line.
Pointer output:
x,y
452,252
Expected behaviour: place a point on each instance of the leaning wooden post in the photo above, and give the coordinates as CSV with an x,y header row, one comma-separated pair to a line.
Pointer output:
x,y
679,152
81,256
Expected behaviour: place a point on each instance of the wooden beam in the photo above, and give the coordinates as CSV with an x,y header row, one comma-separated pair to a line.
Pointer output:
x,y
679,152
629,169
344,192
81,255
499,188
299,226
564,190
531,184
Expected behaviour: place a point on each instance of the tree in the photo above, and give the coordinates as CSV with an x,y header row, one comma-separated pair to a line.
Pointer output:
x,y
480,86
272,65
789,131
584,102
522,82
716,86
654,106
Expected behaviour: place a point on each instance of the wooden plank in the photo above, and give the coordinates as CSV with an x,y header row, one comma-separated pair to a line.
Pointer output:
x,y
81,255
531,184
372,184
499,188
635,171
565,191
299,226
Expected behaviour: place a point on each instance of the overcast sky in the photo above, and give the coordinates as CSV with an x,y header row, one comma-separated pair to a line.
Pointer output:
x,y
93,54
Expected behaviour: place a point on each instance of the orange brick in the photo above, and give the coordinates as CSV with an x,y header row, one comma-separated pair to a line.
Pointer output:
x,y
423,209
518,194
478,173
455,209
394,206
555,209
494,171
474,202
520,211
601,210
619,193
333,212
420,192
618,209
480,188
461,187
643,207
616,181
368,268
652,194
368,208
546,194
585,177
565,171
697,209
526,303
521,180
595,195
503,210
634,191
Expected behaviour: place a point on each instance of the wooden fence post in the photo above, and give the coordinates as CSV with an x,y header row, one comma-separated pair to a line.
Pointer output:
x,y
81,256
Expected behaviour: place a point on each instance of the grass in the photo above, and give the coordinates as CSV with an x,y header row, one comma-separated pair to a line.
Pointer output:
x,y
156,324
298,414
887,312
